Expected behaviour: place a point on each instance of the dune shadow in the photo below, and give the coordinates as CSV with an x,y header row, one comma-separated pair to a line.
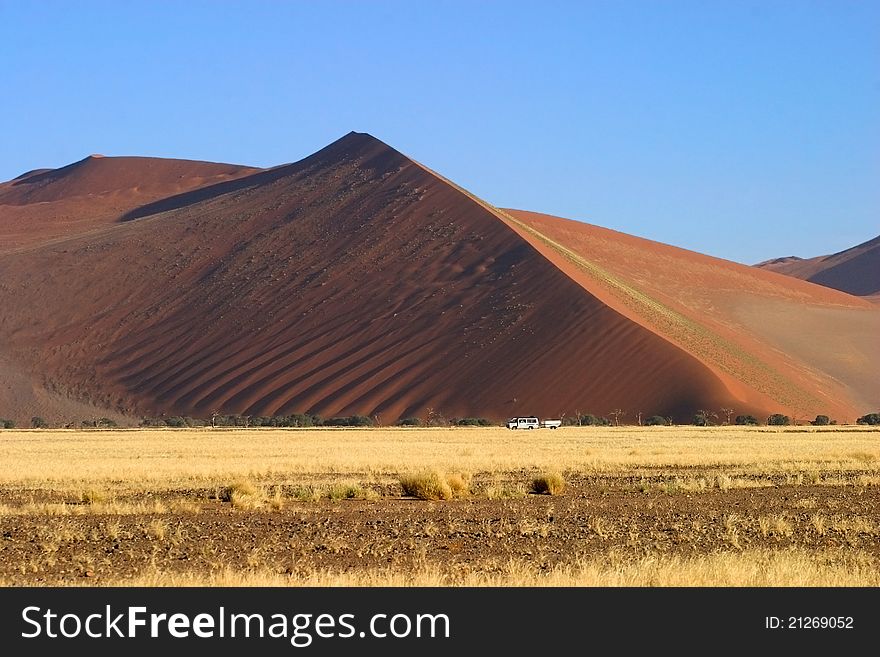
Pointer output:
x,y
205,193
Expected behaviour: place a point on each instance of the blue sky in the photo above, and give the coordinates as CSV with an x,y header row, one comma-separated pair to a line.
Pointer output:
x,y
746,130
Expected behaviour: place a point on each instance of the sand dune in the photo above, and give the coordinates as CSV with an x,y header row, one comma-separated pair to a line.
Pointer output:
x,y
771,339
855,270
358,281
47,204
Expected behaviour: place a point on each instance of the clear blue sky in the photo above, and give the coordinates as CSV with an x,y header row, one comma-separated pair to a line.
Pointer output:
x,y
745,130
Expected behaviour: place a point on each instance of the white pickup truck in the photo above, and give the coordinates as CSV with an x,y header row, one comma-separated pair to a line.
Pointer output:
x,y
532,422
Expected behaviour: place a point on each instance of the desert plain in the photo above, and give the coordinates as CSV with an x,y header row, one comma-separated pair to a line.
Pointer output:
x,y
626,506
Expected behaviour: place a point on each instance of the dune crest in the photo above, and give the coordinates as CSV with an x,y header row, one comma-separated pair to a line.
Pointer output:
x,y
52,204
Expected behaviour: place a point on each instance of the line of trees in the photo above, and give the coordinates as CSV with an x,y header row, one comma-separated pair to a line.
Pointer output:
x,y
39,423
305,420
702,418
302,420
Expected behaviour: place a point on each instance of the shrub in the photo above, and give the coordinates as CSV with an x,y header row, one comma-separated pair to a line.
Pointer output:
x,y
39,423
586,420
700,419
548,484
409,422
474,422
656,421
296,420
821,421
746,420
6,424
176,422
870,418
351,421
105,422
225,421
778,420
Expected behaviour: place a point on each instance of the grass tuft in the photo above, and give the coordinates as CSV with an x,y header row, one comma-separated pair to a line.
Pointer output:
x,y
459,483
551,483
427,485
350,492
157,528
240,489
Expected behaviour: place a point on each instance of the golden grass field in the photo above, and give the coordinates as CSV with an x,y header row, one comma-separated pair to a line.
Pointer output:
x,y
633,506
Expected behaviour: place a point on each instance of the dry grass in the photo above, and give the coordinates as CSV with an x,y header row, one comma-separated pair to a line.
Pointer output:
x,y
501,491
114,507
157,528
349,491
245,495
790,567
93,496
435,485
459,483
428,485
552,483
113,462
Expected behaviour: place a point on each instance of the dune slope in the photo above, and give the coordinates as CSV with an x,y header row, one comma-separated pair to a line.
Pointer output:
x,y
354,281
772,339
48,204
358,281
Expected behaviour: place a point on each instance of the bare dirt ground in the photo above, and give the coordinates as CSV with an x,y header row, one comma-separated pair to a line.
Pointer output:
x,y
593,517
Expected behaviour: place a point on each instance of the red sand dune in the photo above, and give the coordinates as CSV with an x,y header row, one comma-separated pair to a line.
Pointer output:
x,y
772,339
50,203
855,270
357,281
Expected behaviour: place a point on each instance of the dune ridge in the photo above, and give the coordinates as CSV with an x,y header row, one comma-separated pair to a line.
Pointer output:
x,y
46,204
359,281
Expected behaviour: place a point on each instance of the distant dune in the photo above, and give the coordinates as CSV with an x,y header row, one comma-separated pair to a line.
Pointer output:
x,y
50,203
855,270
358,281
